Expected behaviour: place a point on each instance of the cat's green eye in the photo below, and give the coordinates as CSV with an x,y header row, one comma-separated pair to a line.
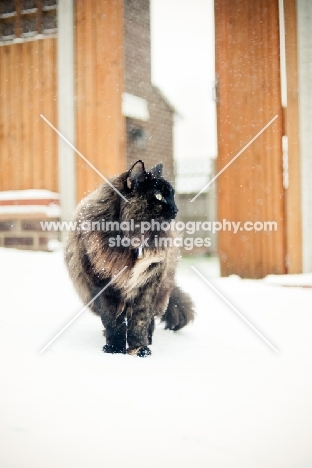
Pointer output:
x,y
159,196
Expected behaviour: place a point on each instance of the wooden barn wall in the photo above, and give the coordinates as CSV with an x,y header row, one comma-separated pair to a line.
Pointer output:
x,y
28,148
99,74
251,189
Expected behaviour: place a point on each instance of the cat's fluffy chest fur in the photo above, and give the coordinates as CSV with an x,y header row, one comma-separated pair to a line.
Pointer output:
x,y
138,273
131,299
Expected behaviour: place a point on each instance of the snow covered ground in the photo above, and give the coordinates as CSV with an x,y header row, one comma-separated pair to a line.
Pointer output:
x,y
212,395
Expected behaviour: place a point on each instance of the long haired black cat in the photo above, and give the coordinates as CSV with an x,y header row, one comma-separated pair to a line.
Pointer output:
x,y
130,272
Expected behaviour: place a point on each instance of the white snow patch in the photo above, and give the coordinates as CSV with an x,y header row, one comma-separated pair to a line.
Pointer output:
x,y
50,211
304,280
212,395
31,194
54,245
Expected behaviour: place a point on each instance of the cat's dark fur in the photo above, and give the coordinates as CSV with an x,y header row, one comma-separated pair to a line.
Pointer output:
x,y
146,287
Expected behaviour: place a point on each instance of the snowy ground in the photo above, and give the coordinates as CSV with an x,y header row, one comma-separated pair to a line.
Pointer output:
x,y
212,395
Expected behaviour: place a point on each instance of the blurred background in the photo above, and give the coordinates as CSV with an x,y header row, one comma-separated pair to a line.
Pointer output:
x,y
189,83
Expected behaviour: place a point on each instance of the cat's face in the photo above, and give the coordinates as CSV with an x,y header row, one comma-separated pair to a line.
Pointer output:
x,y
149,194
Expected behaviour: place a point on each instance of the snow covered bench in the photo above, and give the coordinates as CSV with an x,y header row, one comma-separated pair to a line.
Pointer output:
x,y
21,212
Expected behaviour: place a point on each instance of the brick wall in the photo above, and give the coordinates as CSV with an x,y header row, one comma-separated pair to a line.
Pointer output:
x,y
158,130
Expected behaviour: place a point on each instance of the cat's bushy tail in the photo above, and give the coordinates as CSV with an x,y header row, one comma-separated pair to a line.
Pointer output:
x,y
180,310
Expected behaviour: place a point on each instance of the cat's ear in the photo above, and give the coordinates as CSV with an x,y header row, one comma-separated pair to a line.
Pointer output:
x,y
136,173
157,170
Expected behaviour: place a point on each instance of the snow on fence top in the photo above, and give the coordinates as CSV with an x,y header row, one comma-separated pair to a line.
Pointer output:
x,y
30,201
31,194
50,211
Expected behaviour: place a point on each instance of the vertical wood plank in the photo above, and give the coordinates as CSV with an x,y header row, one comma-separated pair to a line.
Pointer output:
x,y
47,111
97,21
18,152
97,180
26,134
41,123
1,118
100,97
268,247
39,16
293,196
30,115
36,104
81,95
277,202
110,28
6,116
88,176
55,180
120,129
18,22
12,124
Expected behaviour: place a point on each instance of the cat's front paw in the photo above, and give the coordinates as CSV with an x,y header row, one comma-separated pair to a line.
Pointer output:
x,y
112,349
143,351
